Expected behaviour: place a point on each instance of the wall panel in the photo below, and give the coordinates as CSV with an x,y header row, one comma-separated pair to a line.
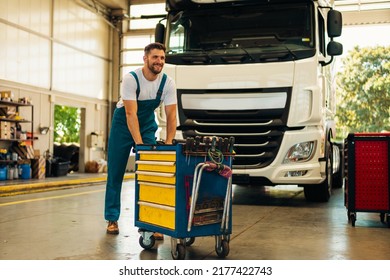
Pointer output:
x,y
31,14
78,73
80,28
24,57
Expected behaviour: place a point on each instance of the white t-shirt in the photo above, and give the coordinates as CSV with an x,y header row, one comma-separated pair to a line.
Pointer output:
x,y
148,89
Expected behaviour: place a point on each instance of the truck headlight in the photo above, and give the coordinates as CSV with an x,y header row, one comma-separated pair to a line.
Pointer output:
x,y
300,152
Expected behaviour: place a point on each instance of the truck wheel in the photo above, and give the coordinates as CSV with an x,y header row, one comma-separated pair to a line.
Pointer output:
x,y
338,177
322,192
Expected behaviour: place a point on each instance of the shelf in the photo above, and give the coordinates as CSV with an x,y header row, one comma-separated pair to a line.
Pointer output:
x,y
12,103
19,140
16,144
8,161
13,120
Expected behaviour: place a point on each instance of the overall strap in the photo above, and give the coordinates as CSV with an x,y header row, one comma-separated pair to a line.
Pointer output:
x,y
136,79
162,84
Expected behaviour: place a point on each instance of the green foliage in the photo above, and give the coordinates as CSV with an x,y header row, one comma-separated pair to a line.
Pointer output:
x,y
363,88
67,124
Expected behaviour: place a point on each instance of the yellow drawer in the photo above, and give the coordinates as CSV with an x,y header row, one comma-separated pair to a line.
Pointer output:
x,y
156,177
157,193
157,166
158,215
159,156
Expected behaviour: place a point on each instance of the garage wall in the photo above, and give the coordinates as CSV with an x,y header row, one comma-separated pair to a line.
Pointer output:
x,y
57,52
81,50
25,47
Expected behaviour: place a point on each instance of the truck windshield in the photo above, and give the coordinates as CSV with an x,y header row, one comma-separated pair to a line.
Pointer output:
x,y
240,34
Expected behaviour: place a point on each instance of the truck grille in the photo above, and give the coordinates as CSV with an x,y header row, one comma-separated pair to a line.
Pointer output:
x,y
257,133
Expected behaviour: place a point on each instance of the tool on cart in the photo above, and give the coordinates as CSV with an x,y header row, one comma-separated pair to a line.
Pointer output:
x,y
224,171
184,190
231,144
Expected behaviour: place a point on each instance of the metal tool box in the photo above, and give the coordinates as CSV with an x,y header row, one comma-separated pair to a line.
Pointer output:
x,y
178,194
367,184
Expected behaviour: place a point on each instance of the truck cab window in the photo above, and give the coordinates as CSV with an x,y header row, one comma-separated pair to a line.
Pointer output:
x,y
176,38
321,34
245,30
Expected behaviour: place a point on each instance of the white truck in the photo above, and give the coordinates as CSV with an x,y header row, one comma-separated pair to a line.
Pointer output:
x,y
260,71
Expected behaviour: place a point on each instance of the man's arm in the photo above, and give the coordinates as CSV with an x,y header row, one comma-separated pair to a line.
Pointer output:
x,y
170,112
132,120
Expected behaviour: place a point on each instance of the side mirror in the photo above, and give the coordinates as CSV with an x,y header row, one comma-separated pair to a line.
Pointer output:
x,y
159,33
334,48
334,23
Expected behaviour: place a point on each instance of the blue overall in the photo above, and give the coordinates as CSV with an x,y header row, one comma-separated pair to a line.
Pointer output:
x,y
120,144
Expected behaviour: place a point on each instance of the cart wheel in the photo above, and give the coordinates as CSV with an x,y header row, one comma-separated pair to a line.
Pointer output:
x,y
353,219
189,241
147,244
382,215
223,251
180,253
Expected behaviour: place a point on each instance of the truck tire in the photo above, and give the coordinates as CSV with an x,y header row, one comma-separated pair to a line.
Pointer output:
x,y
338,177
321,192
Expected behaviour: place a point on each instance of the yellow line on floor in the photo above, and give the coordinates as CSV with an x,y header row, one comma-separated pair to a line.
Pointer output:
x,y
12,189
49,197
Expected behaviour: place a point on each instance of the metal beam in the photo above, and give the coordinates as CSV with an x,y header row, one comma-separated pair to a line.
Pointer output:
x,y
143,2
115,4
366,17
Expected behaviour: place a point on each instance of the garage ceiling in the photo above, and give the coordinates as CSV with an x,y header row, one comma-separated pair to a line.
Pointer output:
x,y
364,12
114,4
355,12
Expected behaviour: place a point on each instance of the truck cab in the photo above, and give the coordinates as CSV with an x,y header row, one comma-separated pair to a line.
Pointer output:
x,y
260,71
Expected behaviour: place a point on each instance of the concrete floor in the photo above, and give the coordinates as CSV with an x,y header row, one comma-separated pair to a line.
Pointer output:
x,y
269,223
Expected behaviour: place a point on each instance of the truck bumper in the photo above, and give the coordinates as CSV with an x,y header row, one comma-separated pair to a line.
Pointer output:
x,y
307,172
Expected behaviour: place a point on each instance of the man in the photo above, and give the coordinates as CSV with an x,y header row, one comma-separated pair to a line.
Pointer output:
x,y
134,123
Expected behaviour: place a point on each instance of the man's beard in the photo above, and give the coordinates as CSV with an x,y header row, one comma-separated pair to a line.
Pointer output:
x,y
153,70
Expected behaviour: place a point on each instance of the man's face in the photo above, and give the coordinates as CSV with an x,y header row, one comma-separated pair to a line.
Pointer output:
x,y
155,61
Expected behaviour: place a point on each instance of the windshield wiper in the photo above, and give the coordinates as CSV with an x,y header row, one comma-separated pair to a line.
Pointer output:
x,y
275,53
248,54
290,52
199,56
230,54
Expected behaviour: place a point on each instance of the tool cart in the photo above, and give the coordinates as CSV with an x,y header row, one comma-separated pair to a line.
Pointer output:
x,y
367,185
184,190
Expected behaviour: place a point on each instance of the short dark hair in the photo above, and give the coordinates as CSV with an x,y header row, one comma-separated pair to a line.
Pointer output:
x,y
153,46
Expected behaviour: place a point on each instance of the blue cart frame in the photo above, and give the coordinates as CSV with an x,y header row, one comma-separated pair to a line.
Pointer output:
x,y
202,200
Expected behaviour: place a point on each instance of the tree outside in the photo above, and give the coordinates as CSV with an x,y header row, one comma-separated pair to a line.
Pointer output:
x,y
67,124
363,91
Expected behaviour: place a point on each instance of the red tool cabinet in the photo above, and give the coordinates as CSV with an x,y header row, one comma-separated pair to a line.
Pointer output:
x,y
367,184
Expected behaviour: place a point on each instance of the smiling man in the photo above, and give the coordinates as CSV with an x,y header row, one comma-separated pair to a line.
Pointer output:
x,y
133,123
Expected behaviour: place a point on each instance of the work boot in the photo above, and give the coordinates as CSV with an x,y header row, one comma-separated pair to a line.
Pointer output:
x,y
158,236
112,227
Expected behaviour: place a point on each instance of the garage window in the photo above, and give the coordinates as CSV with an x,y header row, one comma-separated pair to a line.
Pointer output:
x,y
140,32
